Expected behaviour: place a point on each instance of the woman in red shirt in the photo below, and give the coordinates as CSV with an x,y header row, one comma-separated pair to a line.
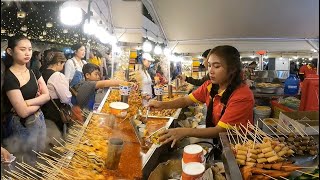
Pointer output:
x,y
228,98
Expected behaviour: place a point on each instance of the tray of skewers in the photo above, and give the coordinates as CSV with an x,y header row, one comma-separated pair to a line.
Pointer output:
x,y
259,155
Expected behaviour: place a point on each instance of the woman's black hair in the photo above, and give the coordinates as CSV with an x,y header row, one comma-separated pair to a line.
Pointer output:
x,y
77,46
231,58
12,43
33,57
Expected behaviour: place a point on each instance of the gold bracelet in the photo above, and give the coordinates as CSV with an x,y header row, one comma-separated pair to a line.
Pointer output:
x,y
26,103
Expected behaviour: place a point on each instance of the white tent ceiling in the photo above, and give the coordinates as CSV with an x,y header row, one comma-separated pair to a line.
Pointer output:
x,y
192,26
124,17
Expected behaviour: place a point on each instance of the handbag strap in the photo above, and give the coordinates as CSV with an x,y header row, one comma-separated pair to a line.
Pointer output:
x,y
35,79
55,104
49,93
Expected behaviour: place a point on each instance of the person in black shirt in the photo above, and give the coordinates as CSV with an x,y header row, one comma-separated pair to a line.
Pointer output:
x,y
198,82
26,92
4,153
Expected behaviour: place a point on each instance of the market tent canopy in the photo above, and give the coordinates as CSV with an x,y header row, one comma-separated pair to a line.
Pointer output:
x,y
125,17
193,26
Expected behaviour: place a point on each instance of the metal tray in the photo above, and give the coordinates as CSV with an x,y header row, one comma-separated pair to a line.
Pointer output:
x,y
232,169
271,90
146,156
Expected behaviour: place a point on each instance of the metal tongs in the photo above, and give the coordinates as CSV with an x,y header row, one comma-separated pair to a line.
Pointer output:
x,y
164,127
148,109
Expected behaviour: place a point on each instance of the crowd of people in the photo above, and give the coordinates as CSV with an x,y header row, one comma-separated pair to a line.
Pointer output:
x,y
36,87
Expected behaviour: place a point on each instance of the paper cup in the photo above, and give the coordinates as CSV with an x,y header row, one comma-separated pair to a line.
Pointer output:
x,y
119,109
124,90
158,91
192,153
192,171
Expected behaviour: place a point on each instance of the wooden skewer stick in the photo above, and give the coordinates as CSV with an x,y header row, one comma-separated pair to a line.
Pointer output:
x,y
14,175
303,167
228,134
28,169
269,128
235,129
260,131
308,173
255,136
32,168
233,138
269,176
293,124
20,175
313,128
280,126
283,178
24,171
58,142
238,131
300,128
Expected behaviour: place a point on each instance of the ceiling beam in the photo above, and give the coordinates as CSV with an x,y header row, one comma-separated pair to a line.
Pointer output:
x,y
243,39
153,12
312,45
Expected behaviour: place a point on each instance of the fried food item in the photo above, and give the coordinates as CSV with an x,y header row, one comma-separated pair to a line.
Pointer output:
x,y
267,149
267,166
273,173
270,154
246,172
258,165
272,159
241,161
290,168
277,166
262,160
242,157
260,177
241,152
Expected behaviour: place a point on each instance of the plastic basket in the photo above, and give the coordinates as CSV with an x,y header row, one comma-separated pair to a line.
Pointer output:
x,y
277,108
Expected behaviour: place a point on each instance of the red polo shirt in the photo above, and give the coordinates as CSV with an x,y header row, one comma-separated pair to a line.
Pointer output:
x,y
239,107
307,69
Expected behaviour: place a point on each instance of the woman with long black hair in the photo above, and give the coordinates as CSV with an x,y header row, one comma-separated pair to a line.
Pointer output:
x,y
229,100
26,92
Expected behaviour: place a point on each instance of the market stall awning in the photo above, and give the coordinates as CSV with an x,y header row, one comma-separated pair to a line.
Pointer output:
x,y
193,26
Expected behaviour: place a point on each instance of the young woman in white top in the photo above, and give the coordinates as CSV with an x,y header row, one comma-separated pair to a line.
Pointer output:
x,y
146,78
73,67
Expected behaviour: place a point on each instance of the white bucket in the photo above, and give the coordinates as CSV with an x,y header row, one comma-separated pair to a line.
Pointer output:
x,y
261,112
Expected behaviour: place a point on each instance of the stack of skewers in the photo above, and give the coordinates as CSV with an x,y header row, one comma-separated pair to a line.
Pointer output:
x,y
262,156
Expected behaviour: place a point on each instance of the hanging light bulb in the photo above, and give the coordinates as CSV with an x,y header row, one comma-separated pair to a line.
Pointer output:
x,y
49,24
166,51
70,13
147,46
158,49
21,14
24,28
